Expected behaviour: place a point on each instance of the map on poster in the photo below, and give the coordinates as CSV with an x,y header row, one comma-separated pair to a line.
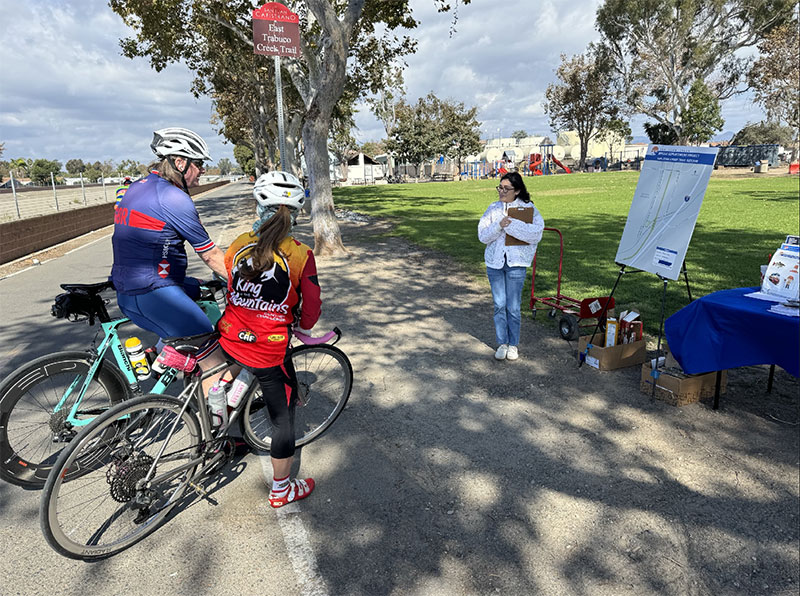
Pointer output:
x,y
665,207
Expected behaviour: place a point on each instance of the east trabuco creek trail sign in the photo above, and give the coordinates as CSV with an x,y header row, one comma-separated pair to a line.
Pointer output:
x,y
276,32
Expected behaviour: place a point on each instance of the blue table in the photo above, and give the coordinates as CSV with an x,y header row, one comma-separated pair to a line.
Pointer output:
x,y
726,330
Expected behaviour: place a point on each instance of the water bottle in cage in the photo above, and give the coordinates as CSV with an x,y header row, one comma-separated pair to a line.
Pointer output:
x,y
218,406
239,386
135,350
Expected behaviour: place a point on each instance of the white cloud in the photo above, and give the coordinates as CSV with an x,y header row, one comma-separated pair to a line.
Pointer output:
x,y
68,92
502,57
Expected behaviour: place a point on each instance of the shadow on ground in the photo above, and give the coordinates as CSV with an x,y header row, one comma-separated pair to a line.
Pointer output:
x,y
454,470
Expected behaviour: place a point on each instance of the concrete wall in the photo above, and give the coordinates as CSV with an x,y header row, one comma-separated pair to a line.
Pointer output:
x,y
22,237
25,236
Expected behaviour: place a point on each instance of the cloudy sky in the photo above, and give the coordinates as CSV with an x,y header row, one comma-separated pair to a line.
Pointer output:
x,y
66,91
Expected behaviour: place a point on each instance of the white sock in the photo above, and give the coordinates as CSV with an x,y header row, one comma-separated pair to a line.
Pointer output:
x,y
280,485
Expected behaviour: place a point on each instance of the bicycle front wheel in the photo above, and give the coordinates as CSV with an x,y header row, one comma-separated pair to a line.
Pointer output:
x,y
125,489
32,432
324,378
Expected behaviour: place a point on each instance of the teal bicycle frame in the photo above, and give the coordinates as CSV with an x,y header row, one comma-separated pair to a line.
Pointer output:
x,y
111,340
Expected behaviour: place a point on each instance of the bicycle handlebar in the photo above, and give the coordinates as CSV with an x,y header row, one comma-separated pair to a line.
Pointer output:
x,y
215,284
313,341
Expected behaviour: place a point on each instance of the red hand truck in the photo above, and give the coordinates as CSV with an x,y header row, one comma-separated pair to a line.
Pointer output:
x,y
573,310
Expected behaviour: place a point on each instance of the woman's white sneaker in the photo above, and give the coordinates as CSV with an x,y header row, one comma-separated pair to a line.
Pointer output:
x,y
512,353
501,352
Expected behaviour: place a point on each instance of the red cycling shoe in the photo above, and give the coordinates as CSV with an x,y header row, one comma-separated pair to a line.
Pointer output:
x,y
297,489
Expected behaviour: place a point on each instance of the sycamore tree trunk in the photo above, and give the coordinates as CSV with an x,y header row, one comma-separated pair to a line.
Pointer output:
x,y
321,87
327,235
293,131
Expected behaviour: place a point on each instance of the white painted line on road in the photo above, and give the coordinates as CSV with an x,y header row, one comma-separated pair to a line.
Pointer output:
x,y
298,545
300,552
88,244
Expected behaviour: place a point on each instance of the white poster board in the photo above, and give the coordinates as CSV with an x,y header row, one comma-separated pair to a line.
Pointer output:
x,y
664,209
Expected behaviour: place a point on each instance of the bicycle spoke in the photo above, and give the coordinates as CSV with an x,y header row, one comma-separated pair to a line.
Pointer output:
x,y
125,488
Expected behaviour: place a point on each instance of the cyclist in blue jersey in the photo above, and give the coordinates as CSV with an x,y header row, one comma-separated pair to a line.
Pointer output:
x,y
154,219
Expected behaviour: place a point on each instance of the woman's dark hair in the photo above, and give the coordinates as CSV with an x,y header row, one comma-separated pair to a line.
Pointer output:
x,y
516,181
270,235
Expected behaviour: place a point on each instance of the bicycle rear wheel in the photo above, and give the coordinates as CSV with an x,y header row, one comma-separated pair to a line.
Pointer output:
x,y
110,505
324,378
32,433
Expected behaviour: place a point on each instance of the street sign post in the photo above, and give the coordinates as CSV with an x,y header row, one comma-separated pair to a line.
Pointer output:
x,y
276,32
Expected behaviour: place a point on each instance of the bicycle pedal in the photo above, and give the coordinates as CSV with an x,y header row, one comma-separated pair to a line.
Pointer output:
x,y
199,490
203,493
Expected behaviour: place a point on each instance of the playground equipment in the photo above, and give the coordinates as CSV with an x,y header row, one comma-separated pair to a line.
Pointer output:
x,y
573,310
545,162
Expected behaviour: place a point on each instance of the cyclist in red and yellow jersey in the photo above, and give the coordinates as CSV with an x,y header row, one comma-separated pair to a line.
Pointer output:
x,y
272,285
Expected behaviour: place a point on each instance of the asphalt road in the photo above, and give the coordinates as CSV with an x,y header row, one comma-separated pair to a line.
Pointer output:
x,y
234,544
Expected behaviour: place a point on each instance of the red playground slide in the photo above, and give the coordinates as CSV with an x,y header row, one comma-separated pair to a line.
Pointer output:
x,y
560,165
535,164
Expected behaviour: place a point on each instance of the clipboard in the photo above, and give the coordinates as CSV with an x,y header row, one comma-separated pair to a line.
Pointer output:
x,y
523,214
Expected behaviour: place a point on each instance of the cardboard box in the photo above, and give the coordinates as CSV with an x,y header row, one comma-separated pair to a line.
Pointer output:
x,y
612,357
679,389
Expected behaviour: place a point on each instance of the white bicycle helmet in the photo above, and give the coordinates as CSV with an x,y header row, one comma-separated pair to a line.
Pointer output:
x,y
179,141
279,188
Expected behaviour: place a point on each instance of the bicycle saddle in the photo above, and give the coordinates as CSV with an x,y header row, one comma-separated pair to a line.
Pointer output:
x,y
91,289
191,343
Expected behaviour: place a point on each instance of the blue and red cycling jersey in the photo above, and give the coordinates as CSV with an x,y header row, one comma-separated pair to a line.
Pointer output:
x,y
151,223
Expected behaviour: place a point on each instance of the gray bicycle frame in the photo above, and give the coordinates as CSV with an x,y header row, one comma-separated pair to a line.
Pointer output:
x,y
193,393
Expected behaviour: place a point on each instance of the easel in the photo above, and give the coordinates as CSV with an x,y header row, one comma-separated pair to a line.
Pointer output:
x,y
655,372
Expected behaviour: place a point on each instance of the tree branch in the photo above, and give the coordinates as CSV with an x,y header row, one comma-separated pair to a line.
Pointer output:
x,y
248,41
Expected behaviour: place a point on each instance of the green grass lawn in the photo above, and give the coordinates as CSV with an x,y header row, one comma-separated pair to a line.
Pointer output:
x,y
741,222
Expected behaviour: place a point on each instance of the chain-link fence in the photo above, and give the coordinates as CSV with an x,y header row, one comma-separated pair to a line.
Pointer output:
x,y
22,202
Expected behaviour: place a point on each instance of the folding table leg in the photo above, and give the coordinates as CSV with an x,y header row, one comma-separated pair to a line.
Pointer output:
x,y
770,379
716,390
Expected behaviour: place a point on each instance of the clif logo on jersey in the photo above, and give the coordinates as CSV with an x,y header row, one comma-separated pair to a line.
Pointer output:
x,y
247,336
163,269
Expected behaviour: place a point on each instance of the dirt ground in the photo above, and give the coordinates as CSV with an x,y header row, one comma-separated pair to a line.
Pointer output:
x,y
599,489
723,172
475,476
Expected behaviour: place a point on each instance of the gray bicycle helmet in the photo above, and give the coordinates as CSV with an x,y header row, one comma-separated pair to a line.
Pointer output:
x,y
179,141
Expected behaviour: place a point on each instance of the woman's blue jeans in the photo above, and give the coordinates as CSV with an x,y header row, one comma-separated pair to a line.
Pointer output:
x,y
506,286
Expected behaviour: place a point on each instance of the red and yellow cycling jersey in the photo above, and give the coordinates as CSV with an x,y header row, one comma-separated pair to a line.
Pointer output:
x,y
255,326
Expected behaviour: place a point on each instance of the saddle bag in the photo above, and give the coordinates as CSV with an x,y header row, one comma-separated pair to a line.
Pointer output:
x,y
76,306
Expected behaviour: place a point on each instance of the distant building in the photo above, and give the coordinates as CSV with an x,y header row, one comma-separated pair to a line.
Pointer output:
x,y
362,168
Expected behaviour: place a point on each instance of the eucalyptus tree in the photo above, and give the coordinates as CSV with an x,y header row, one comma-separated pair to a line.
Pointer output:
x,y
461,130
434,127
417,133
661,49
384,104
775,77
583,99
331,32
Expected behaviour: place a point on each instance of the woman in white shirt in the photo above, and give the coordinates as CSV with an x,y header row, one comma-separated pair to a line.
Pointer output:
x,y
510,245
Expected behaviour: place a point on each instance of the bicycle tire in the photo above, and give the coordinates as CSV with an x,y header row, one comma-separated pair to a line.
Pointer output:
x,y
93,516
325,379
31,435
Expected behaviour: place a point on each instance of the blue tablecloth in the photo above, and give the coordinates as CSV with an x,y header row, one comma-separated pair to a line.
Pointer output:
x,y
725,330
